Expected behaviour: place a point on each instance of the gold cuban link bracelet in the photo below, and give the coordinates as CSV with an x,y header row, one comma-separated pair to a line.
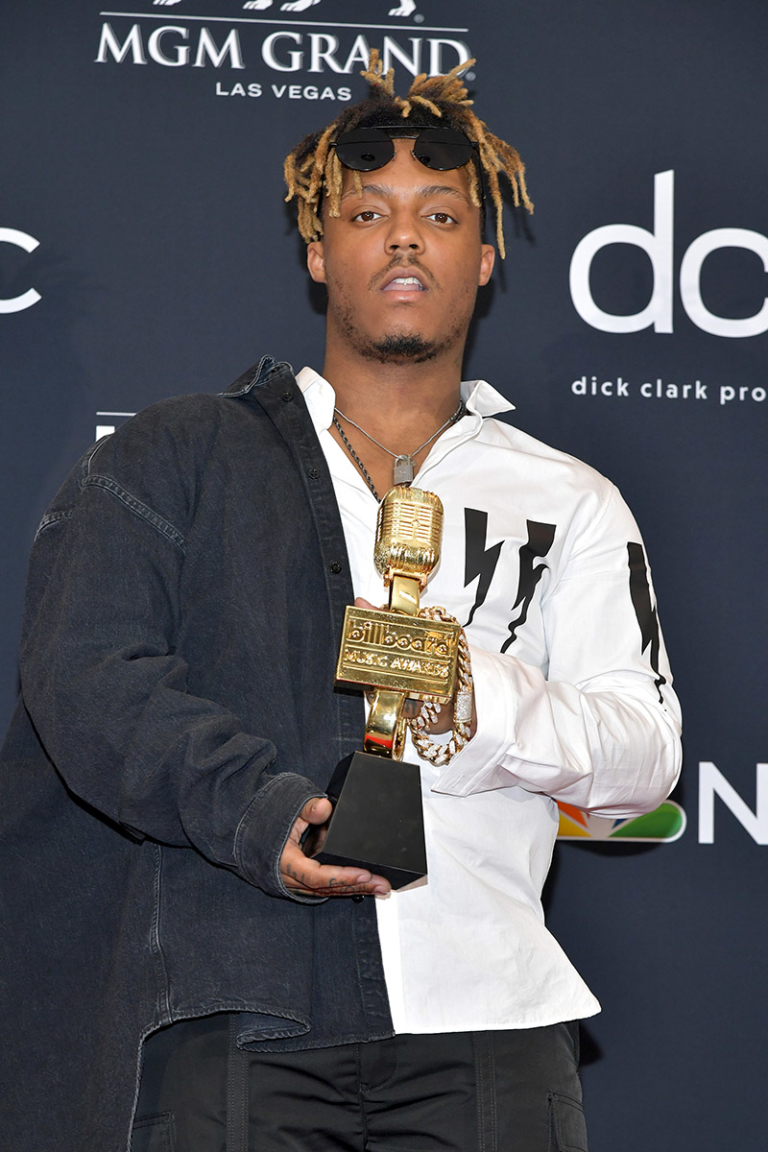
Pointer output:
x,y
440,754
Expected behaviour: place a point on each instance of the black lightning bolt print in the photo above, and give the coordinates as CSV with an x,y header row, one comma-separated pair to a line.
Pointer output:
x,y
479,560
540,537
647,616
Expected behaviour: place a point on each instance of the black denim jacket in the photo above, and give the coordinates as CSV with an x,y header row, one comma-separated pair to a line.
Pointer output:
x,y
184,607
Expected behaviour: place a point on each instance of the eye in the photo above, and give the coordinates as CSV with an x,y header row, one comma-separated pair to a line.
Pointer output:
x,y
367,215
441,218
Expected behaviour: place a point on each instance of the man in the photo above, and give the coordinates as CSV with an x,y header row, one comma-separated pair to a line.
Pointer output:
x,y
190,978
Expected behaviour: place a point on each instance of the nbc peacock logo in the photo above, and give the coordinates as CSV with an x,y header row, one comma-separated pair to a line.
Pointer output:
x,y
665,824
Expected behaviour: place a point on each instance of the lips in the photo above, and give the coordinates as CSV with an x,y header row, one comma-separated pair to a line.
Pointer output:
x,y
404,284
404,280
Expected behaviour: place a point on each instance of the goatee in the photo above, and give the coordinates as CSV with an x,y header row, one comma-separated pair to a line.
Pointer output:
x,y
394,348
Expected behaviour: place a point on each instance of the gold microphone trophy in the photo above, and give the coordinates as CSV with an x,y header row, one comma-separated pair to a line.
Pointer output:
x,y
378,821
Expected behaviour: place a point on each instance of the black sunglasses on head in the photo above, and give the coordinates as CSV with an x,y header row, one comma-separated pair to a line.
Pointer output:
x,y
365,149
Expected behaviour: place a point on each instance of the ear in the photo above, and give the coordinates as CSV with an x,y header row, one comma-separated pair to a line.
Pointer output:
x,y
316,261
487,260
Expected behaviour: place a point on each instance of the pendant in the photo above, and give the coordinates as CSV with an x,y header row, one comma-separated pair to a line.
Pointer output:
x,y
403,470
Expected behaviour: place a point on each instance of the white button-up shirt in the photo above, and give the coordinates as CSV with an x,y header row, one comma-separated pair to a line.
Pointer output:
x,y
543,564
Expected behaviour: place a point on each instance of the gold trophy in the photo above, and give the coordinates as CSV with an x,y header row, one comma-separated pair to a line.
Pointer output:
x,y
397,655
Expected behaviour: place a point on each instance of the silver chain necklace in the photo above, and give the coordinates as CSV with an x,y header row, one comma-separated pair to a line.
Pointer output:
x,y
403,466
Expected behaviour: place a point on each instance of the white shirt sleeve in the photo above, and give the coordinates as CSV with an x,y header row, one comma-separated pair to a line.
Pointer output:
x,y
600,730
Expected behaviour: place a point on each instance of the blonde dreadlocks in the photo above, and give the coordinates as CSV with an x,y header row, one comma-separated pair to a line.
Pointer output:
x,y
313,170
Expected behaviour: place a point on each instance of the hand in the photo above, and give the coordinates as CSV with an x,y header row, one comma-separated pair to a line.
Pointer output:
x,y
412,708
302,874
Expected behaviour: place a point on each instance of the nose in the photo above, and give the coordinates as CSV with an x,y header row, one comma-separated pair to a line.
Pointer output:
x,y
404,233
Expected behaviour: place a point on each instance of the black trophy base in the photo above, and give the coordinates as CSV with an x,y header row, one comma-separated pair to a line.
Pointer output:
x,y
377,822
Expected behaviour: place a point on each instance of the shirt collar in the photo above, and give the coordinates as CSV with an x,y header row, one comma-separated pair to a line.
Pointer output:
x,y
480,398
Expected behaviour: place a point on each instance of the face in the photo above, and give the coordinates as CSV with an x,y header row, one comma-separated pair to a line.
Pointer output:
x,y
403,262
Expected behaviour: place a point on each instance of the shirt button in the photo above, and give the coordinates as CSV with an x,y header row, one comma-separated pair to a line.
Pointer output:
x,y
358,898
314,473
335,567
287,396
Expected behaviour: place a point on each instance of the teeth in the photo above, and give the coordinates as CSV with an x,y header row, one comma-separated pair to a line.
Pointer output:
x,y
407,280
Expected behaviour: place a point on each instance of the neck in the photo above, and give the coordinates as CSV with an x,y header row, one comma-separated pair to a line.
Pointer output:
x,y
400,404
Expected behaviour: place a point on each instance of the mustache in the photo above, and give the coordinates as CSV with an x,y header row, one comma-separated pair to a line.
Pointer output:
x,y
405,265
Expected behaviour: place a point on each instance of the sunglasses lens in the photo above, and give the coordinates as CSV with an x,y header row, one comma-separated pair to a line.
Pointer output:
x,y
365,149
442,148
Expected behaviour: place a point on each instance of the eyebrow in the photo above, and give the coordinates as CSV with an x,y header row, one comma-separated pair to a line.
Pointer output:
x,y
386,191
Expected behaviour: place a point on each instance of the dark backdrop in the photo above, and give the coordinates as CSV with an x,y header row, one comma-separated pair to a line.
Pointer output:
x,y
142,167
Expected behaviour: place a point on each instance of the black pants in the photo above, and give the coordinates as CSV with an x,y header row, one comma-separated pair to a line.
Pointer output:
x,y
512,1091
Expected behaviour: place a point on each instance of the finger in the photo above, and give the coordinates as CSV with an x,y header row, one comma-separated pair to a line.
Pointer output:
x,y
338,890
316,811
376,886
301,871
308,873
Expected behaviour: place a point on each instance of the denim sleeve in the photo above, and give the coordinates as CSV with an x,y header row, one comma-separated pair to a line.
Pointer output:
x,y
107,691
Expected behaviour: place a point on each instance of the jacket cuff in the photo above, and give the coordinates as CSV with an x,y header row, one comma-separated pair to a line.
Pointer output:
x,y
264,830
